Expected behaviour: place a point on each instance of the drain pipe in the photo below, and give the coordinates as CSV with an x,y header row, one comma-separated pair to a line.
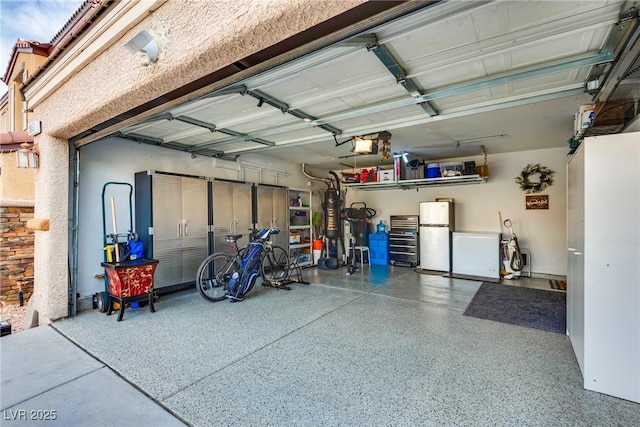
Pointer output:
x,y
325,180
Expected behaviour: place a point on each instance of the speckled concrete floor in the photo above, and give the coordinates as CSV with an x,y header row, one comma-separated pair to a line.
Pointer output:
x,y
385,346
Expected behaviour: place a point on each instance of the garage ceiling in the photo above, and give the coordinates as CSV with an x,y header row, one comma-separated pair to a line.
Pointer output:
x,y
450,80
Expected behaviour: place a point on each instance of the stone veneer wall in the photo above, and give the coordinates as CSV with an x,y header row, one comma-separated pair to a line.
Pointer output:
x,y
16,253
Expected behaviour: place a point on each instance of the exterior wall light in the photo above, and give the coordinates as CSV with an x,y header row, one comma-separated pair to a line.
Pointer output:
x,y
26,156
143,42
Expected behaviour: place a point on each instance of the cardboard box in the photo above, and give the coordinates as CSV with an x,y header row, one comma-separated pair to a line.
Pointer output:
x,y
483,170
609,114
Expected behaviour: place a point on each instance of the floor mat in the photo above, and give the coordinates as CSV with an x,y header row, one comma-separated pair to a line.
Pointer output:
x,y
532,308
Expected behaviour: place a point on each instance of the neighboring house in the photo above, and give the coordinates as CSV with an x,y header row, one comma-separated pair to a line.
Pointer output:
x,y
17,184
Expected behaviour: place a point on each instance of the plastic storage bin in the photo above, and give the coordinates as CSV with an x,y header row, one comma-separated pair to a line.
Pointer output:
x,y
385,175
451,169
378,248
433,170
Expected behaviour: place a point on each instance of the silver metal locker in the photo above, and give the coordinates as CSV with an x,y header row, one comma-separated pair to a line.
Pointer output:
x,y
177,207
273,211
231,213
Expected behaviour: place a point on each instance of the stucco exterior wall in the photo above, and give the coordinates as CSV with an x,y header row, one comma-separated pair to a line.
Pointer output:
x,y
51,246
16,183
195,38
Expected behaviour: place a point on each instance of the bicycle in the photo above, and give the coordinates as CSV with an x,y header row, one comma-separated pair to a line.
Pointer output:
x,y
224,275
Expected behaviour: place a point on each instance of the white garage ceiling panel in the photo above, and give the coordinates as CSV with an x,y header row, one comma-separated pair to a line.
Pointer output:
x,y
456,60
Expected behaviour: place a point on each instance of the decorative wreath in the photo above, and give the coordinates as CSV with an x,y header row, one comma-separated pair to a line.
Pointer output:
x,y
546,178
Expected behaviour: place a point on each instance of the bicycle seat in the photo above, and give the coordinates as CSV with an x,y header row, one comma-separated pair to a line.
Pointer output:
x,y
232,238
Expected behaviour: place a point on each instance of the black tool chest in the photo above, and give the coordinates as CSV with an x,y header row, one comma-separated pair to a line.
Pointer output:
x,y
403,240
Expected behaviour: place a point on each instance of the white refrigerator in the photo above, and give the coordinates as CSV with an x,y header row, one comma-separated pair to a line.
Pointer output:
x,y
436,226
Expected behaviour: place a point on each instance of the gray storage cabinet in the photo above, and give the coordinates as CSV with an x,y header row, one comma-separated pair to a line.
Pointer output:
x,y
273,211
232,213
172,222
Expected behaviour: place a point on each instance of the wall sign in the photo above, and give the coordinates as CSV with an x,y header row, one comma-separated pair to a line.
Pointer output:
x,y
34,128
537,202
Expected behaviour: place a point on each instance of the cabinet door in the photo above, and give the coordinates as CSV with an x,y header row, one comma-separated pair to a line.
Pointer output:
x,y
222,215
281,216
575,254
231,213
167,207
273,211
194,226
242,210
264,195
167,243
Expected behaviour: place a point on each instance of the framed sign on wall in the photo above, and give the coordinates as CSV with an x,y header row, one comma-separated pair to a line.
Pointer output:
x,y
537,202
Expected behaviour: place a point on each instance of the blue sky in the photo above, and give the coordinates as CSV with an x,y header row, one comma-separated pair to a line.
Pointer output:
x,y
38,20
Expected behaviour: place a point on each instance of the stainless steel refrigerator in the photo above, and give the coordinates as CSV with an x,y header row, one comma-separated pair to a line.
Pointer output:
x,y
436,225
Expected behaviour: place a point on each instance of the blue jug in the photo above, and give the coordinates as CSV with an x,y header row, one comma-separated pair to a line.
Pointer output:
x,y
381,228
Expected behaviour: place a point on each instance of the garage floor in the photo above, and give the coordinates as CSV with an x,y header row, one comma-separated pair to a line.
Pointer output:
x,y
386,346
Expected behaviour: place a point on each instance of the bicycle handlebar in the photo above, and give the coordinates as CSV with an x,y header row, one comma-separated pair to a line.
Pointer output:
x,y
264,234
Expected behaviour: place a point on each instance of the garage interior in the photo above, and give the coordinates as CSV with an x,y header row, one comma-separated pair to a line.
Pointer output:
x,y
497,83
494,83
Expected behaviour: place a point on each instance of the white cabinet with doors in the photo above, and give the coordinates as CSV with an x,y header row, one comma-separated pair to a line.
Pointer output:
x,y
300,226
603,249
172,222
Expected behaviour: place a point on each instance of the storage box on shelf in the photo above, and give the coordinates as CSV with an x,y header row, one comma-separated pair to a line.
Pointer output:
x,y
300,227
386,175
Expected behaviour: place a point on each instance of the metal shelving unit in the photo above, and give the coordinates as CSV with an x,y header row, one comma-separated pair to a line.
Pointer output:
x,y
300,227
415,183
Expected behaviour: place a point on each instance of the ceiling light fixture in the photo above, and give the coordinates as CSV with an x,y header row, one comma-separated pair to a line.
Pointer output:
x,y
364,145
143,42
368,144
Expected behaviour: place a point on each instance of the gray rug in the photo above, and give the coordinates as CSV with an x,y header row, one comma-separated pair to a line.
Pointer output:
x,y
532,308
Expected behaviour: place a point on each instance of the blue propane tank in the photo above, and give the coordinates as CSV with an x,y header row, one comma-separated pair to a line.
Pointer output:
x,y
381,228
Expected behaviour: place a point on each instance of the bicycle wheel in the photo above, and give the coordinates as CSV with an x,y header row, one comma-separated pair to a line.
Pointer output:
x,y
274,265
213,276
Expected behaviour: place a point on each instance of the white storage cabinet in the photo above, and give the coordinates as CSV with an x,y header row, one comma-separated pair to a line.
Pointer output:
x,y
603,251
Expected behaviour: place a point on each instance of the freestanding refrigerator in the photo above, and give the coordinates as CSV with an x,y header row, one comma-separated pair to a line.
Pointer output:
x,y
436,226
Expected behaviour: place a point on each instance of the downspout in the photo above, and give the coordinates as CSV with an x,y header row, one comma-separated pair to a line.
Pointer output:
x,y
74,192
